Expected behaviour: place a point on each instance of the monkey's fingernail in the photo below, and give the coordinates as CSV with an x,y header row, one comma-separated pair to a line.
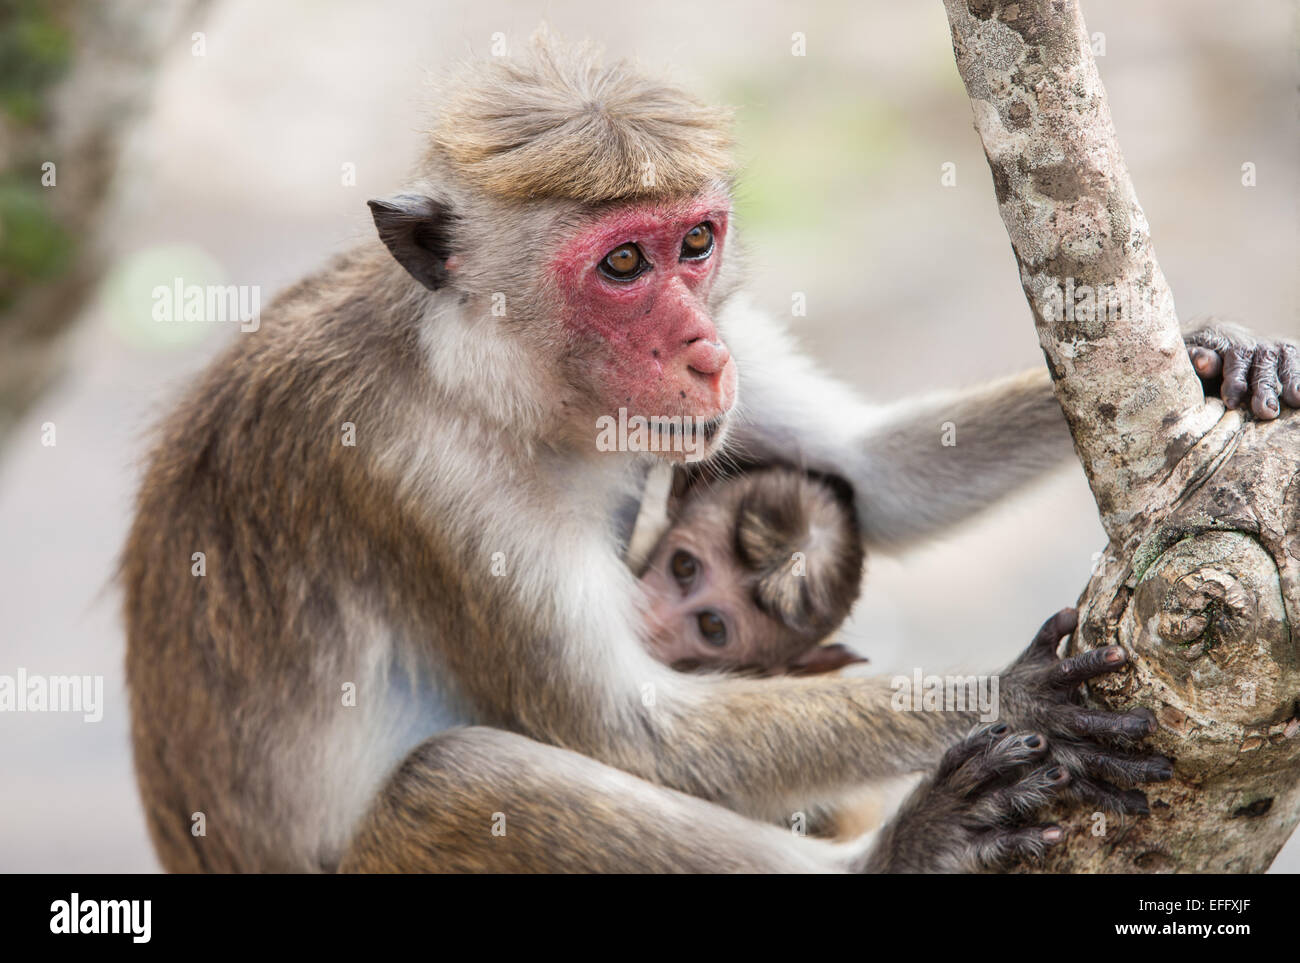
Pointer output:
x,y
1114,655
1052,834
1034,742
1264,403
1000,729
1055,773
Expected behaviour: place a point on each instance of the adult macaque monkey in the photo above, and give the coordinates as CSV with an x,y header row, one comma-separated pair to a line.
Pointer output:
x,y
420,651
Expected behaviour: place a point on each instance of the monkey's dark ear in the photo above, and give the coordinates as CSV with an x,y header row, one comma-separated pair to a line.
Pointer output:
x,y
417,230
824,658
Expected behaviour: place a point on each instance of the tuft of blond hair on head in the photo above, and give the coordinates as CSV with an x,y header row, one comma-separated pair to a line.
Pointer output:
x,y
558,122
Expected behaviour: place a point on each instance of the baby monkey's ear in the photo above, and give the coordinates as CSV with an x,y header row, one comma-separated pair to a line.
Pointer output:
x,y
823,658
685,479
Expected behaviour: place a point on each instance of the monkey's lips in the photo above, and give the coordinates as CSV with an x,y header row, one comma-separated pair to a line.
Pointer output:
x,y
708,429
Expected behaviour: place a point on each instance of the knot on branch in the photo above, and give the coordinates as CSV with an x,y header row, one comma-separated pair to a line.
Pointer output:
x,y
1205,610
1208,617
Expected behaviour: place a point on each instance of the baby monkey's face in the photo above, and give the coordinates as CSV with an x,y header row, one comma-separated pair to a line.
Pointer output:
x,y
700,613
701,606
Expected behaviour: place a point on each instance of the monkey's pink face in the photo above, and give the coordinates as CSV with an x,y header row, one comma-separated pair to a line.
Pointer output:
x,y
635,286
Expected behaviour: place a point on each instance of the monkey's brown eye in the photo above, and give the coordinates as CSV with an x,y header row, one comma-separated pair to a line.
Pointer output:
x,y
698,242
684,567
712,628
624,263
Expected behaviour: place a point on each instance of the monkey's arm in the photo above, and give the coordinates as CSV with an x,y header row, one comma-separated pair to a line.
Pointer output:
x,y
924,464
932,463
768,746
917,466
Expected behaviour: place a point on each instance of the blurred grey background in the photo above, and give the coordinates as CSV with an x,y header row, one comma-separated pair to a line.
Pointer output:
x,y
231,168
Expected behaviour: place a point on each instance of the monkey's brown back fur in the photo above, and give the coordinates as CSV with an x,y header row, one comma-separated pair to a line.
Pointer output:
x,y
227,479
227,670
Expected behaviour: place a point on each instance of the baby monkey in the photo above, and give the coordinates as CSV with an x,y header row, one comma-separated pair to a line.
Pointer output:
x,y
753,573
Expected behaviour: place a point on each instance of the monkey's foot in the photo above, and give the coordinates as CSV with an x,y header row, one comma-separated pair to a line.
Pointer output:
x,y
972,814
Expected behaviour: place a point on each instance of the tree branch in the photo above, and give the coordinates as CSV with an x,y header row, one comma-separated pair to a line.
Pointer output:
x,y
1104,313
1201,580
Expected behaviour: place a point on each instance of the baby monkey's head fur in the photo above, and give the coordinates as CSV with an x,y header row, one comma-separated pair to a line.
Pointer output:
x,y
800,549
754,572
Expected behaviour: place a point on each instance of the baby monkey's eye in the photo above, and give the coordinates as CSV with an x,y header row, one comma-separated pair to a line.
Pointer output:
x,y
698,242
624,263
684,567
712,628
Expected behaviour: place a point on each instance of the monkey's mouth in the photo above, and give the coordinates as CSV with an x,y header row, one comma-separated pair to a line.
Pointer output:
x,y
690,426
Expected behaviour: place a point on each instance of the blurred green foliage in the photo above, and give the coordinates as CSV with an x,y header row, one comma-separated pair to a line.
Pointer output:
x,y
35,50
128,290
802,149
33,246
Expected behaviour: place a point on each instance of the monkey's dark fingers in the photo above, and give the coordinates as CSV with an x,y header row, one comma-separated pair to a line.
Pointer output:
x,y
1213,339
999,759
977,742
998,847
1236,375
1264,383
1288,372
1123,728
1068,673
1012,802
1206,361
1109,797
1124,770
1050,635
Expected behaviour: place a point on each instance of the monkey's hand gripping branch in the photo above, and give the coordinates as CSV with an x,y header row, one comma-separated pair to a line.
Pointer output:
x,y
972,814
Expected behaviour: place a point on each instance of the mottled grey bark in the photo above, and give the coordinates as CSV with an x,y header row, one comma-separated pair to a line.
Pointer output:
x,y
1201,580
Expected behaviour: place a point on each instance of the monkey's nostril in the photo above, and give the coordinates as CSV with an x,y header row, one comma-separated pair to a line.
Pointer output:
x,y
707,358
